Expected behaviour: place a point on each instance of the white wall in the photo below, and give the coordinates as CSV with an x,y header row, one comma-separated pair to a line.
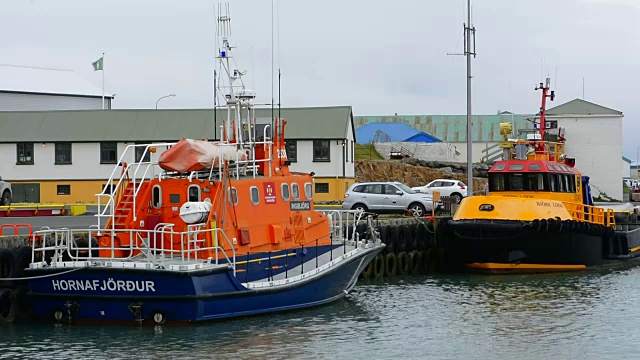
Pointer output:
x,y
626,169
38,102
423,151
85,163
476,150
596,144
333,168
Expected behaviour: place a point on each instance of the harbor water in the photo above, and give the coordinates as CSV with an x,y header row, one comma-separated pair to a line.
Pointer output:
x,y
591,315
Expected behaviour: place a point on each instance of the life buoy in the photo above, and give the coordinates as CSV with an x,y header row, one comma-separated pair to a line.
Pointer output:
x,y
7,264
396,235
23,303
378,269
391,265
422,238
22,257
418,264
402,240
544,225
404,263
412,243
386,236
7,306
366,273
414,256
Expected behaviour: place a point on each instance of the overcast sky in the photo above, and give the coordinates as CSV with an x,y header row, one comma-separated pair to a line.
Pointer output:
x,y
381,57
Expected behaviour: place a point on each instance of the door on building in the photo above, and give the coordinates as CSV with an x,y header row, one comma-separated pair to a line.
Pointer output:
x,y
28,193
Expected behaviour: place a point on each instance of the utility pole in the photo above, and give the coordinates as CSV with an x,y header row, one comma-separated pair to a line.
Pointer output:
x,y
470,35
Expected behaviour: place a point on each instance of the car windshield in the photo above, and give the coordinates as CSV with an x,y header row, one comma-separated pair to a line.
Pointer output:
x,y
405,188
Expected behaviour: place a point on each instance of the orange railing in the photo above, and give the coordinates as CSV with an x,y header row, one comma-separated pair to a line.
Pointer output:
x,y
591,214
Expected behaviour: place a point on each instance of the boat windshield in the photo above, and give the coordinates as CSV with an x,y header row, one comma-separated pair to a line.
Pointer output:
x,y
526,181
405,188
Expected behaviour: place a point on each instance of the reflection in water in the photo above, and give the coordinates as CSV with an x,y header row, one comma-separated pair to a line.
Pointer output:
x,y
581,315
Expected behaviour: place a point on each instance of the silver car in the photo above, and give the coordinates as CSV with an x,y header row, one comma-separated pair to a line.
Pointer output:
x,y
5,193
386,197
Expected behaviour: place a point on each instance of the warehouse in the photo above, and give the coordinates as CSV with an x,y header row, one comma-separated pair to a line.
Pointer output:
x,y
27,88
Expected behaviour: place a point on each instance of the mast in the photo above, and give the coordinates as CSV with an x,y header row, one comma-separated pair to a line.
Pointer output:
x,y
543,107
469,32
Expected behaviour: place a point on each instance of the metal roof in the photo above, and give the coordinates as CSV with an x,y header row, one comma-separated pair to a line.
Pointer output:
x,y
159,125
453,128
395,131
581,107
27,79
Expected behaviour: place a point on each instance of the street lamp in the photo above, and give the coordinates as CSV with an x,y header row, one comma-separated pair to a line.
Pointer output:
x,y
166,96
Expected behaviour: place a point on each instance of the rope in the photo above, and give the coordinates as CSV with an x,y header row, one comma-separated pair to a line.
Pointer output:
x,y
44,276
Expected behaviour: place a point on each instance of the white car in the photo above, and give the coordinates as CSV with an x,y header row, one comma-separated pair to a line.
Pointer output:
x,y
454,188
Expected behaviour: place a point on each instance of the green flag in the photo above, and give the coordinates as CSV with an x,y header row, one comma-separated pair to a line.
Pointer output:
x,y
98,64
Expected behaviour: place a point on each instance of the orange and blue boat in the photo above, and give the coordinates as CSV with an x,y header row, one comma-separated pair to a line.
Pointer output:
x,y
201,230
538,214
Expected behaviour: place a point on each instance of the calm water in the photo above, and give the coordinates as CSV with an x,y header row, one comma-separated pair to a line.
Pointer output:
x,y
579,316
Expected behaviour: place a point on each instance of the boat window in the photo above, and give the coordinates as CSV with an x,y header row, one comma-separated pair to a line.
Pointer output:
x,y
535,182
156,197
572,183
515,181
567,185
233,196
496,182
285,191
255,195
174,198
516,167
561,184
194,193
534,167
295,191
552,182
308,191
557,167
550,167
499,167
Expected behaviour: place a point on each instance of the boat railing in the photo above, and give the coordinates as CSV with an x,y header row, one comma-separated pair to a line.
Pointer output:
x,y
74,247
551,150
590,214
343,225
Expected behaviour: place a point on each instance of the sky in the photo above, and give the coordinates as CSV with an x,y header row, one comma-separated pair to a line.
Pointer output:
x,y
380,57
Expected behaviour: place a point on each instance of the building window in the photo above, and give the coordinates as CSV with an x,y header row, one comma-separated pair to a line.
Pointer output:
x,y
63,153
353,150
322,188
321,150
141,150
292,150
108,152
25,154
64,189
108,188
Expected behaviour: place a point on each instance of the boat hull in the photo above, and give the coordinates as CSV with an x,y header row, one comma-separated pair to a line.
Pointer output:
x,y
158,296
518,247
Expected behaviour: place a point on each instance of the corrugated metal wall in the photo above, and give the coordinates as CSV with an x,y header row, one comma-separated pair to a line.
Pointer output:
x,y
38,102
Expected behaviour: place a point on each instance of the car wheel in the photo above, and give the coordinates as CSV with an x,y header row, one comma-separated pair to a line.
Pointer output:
x,y
457,197
418,209
360,207
6,198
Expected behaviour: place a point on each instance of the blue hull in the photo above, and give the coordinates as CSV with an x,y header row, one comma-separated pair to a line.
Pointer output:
x,y
156,296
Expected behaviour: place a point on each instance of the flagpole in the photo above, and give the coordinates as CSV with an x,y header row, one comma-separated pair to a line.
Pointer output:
x,y
102,81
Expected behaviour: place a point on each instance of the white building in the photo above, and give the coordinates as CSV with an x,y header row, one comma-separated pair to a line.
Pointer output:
x,y
67,156
594,138
24,88
626,168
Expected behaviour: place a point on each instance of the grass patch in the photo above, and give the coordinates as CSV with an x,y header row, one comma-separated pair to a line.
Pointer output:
x,y
367,152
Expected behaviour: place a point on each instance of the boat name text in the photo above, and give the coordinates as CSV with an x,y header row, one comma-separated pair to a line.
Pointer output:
x,y
110,285
549,204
